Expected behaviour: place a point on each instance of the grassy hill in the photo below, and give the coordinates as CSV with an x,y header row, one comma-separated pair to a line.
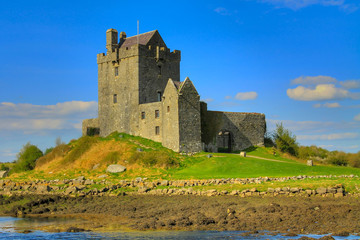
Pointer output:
x,y
90,156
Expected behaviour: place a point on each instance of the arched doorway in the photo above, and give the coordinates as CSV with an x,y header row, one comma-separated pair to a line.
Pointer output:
x,y
224,141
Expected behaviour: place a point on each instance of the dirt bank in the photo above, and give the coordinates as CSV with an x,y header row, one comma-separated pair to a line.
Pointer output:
x,y
284,214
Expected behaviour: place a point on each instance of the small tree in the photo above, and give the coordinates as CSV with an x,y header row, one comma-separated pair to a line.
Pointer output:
x,y
27,157
285,141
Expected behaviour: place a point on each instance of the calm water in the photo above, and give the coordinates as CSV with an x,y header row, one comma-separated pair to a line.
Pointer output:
x,y
9,227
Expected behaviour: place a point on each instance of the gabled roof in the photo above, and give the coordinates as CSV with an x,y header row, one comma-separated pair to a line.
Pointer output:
x,y
144,38
177,84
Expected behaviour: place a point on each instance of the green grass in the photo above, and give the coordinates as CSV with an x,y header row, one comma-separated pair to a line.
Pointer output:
x,y
224,165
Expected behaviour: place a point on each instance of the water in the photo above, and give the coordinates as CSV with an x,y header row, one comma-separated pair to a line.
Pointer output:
x,y
10,227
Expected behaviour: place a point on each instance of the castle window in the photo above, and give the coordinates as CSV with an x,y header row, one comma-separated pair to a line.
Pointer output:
x,y
142,115
115,98
159,95
157,113
116,71
157,130
168,108
159,70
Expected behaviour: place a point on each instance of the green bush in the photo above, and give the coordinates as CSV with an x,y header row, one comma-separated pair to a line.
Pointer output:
x,y
338,158
52,153
285,141
153,158
26,158
3,167
48,150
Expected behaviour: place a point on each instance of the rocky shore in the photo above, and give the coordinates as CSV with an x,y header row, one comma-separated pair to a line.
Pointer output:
x,y
142,204
287,215
88,187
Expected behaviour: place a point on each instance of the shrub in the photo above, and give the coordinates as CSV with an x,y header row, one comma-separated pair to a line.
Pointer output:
x,y
285,141
52,153
48,150
154,158
338,158
354,159
268,141
27,157
3,167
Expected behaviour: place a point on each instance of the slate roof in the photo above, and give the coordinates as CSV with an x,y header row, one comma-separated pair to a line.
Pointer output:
x,y
144,38
177,84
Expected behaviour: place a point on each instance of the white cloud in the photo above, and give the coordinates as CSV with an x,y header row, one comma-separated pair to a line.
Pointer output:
x,y
222,11
313,80
351,84
333,136
208,100
320,92
357,117
29,117
327,105
246,96
298,4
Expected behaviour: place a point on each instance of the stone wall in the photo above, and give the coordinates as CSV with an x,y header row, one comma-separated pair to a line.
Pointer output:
x,y
120,115
82,187
170,117
90,127
245,129
148,124
189,118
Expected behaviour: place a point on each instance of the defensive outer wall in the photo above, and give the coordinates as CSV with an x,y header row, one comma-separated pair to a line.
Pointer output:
x,y
140,93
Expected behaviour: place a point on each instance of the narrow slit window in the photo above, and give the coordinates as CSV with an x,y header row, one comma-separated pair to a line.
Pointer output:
x,y
142,115
159,70
157,113
157,130
115,98
116,71
168,108
159,95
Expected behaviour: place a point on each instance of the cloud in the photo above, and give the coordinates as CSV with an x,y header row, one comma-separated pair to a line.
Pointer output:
x,y
357,117
320,92
350,84
208,100
327,105
334,136
313,80
298,4
246,96
29,117
222,11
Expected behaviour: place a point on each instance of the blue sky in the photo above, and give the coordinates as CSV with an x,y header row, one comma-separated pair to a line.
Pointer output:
x,y
297,61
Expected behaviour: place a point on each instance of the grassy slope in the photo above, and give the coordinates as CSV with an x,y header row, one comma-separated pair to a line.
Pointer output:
x,y
234,166
118,148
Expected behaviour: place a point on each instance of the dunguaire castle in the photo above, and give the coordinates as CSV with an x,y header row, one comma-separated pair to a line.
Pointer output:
x,y
140,93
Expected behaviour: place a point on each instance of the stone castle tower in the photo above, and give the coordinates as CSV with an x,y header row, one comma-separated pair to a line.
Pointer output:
x,y
140,93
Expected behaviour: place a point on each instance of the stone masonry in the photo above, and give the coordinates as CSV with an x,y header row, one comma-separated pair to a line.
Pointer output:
x,y
140,93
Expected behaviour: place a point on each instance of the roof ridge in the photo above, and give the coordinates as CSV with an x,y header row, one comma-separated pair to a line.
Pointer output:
x,y
141,34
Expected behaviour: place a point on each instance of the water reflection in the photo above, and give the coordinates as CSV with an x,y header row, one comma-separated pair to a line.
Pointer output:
x,y
10,227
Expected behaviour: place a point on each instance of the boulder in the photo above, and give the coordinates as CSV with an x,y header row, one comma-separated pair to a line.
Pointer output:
x,y
321,190
3,174
43,189
115,168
